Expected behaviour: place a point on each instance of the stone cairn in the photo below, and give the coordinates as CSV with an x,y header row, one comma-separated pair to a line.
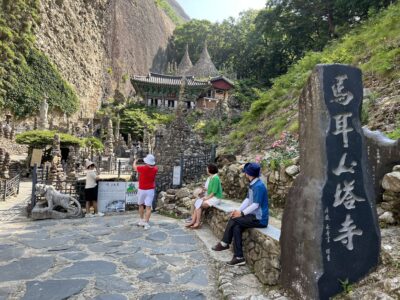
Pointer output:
x,y
176,140
4,163
390,206
121,148
71,163
109,144
129,143
43,121
7,129
56,170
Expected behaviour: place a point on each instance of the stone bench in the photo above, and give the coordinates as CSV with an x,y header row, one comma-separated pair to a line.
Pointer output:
x,y
260,245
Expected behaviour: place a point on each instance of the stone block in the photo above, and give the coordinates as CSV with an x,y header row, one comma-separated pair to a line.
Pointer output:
x,y
391,182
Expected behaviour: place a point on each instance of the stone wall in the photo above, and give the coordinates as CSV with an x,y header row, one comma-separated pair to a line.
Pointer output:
x,y
389,209
235,184
261,251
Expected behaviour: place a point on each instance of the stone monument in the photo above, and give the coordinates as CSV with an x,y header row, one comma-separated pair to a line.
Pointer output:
x,y
330,233
43,121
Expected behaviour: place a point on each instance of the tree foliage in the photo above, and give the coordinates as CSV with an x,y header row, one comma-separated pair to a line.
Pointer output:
x,y
135,119
371,47
43,138
264,44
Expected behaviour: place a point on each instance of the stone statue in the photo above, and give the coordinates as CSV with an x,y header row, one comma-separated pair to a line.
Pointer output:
x,y
43,121
55,205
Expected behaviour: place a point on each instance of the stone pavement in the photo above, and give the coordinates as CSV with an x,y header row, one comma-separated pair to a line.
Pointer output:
x,y
111,258
103,258
14,208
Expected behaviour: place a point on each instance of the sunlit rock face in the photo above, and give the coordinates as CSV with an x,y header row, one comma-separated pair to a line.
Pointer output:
x,y
97,45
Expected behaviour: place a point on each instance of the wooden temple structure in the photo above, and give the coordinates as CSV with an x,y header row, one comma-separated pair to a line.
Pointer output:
x,y
198,86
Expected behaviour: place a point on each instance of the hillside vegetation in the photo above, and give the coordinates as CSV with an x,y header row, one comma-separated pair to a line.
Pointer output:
x,y
26,74
374,47
171,12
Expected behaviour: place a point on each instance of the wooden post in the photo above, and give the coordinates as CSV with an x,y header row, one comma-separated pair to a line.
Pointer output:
x,y
119,169
4,191
34,181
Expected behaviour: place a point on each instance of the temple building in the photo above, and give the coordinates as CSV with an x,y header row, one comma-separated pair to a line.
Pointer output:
x,y
198,86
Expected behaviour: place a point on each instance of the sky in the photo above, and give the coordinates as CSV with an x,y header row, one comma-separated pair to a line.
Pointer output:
x,y
218,10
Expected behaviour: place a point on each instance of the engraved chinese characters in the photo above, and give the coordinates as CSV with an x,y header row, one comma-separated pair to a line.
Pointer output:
x,y
330,217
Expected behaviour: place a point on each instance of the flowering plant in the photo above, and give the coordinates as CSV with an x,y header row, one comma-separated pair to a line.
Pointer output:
x,y
282,151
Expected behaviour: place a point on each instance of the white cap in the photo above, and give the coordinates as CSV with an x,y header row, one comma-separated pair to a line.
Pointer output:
x,y
88,163
150,160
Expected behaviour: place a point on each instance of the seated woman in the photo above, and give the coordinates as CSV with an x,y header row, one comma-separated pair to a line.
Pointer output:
x,y
212,197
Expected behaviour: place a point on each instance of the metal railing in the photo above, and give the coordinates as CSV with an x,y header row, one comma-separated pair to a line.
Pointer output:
x,y
10,187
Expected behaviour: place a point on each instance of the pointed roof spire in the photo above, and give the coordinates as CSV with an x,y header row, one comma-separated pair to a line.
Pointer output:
x,y
186,64
204,67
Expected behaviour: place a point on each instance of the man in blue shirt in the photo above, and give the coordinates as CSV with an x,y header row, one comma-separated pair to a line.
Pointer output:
x,y
253,213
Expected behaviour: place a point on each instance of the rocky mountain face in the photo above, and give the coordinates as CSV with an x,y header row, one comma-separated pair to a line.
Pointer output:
x,y
98,44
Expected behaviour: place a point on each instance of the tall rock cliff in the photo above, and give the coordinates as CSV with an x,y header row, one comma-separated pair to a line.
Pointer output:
x,y
98,44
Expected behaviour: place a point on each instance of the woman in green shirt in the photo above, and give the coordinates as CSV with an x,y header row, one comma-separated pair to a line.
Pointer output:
x,y
212,197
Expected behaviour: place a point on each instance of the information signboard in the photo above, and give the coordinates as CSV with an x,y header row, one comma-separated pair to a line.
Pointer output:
x,y
111,196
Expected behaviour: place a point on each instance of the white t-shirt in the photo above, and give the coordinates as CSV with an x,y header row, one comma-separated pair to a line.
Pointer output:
x,y
90,179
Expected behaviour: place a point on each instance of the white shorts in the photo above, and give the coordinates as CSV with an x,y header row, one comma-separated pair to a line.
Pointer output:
x,y
145,197
211,202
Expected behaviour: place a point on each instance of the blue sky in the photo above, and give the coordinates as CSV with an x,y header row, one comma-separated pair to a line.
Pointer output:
x,y
218,10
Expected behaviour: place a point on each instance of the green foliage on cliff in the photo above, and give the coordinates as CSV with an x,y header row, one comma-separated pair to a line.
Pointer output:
x,y
136,118
43,138
26,75
167,8
373,47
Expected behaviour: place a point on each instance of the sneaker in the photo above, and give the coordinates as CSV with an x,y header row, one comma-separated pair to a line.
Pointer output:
x,y
140,223
100,214
219,247
188,220
236,261
89,215
146,226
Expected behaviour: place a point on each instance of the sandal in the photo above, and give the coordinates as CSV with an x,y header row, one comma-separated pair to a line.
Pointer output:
x,y
198,226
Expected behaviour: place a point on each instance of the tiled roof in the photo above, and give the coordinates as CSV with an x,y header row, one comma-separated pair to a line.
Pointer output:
x,y
159,79
221,77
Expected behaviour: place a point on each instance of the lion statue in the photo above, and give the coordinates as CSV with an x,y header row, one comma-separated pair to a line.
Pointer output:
x,y
55,204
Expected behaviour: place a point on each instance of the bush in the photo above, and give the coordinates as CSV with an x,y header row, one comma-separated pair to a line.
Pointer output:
x,y
93,143
43,138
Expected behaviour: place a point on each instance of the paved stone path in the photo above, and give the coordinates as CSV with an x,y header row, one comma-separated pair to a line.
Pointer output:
x,y
103,258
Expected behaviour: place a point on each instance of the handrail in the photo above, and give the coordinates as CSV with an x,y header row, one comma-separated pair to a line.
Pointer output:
x,y
10,187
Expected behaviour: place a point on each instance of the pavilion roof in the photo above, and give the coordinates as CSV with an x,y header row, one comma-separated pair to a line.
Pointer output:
x,y
167,80
221,77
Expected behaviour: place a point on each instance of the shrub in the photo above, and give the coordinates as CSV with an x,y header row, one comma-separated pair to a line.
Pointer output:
x,y
43,138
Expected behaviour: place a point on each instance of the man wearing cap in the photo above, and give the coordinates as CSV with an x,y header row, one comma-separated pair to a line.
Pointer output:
x,y
253,213
147,184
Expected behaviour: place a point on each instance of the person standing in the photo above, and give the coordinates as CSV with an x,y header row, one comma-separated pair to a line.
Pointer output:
x,y
91,189
253,213
147,185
